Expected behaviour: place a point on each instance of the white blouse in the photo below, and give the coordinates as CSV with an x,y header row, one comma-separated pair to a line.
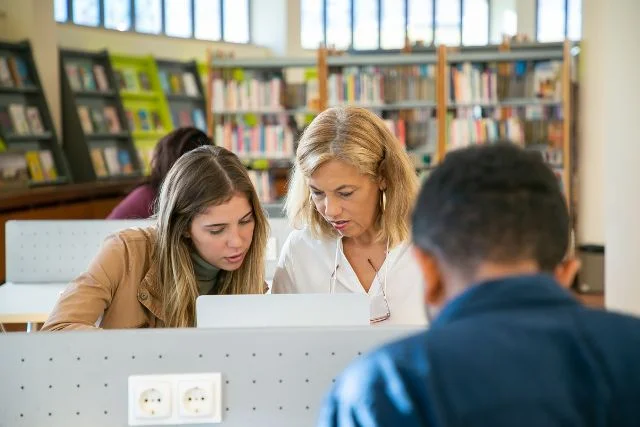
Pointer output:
x,y
307,265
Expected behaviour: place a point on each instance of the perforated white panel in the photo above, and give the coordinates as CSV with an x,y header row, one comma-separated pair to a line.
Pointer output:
x,y
56,251
270,377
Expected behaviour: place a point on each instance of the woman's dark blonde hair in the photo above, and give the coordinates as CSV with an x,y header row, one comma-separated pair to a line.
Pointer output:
x,y
360,138
203,177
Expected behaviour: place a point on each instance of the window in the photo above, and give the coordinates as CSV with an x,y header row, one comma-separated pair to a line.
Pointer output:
x,y
201,19
504,20
86,12
148,16
365,24
177,18
207,25
237,30
475,22
420,25
117,14
60,10
312,34
447,22
393,29
338,32
559,19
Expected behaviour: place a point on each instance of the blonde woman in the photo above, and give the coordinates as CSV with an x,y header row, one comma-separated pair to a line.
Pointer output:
x,y
209,237
350,198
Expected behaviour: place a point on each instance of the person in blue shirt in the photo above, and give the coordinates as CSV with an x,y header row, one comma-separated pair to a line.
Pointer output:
x,y
509,345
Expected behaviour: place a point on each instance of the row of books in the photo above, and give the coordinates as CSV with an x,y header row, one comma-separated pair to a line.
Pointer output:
x,y
488,82
21,120
418,132
184,117
144,119
110,161
34,165
269,139
382,85
263,183
465,132
132,80
248,94
100,120
179,84
87,77
14,72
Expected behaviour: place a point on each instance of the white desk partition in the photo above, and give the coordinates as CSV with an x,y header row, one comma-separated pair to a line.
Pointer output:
x,y
270,377
42,257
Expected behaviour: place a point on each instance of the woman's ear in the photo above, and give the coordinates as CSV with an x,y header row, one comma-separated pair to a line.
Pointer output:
x,y
382,184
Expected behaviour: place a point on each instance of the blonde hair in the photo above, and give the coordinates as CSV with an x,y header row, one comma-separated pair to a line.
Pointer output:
x,y
360,138
203,177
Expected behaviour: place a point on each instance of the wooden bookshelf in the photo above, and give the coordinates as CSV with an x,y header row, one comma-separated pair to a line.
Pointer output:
x,y
257,109
30,154
97,140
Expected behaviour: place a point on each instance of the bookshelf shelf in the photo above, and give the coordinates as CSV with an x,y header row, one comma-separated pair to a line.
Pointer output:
x,y
31,154
147,134
175,97
21,89
94,119
291,112
94,93
403,105
108,135
29,137
128,94
524,102
266,63
381,60
541,54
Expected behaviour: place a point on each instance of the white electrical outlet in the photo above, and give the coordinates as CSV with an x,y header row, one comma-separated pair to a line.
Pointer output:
x,y
175,399
199,398
149,399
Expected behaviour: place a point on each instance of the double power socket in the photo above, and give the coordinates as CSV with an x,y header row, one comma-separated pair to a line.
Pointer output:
x,y
175,399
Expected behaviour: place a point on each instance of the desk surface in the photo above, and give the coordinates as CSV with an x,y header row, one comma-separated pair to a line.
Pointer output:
x,y
25,303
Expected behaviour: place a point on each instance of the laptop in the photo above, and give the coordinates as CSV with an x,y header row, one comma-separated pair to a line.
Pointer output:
x,y
282,310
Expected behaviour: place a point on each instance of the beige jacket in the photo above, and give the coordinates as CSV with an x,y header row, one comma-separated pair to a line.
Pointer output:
x,y
120,285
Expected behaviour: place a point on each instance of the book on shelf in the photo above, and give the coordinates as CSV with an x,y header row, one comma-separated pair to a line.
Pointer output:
x,y
101,78
35,168
269,139
145,83
13,170
85,119
35,121
73,74
199,120
111,158
190,85
124,159
184,119
6,125
263,184
175,81
98,121
86,76
156,121
99,165
131,120
48,166
111,119
144,119
5,75
120,80
164,81
20,72
19,119
3,145
130,79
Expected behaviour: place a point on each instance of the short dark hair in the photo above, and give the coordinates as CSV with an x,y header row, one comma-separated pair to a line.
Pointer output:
x,y
171,147
496,203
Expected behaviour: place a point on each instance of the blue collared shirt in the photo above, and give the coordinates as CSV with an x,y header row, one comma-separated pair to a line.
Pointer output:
x,y
514,352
